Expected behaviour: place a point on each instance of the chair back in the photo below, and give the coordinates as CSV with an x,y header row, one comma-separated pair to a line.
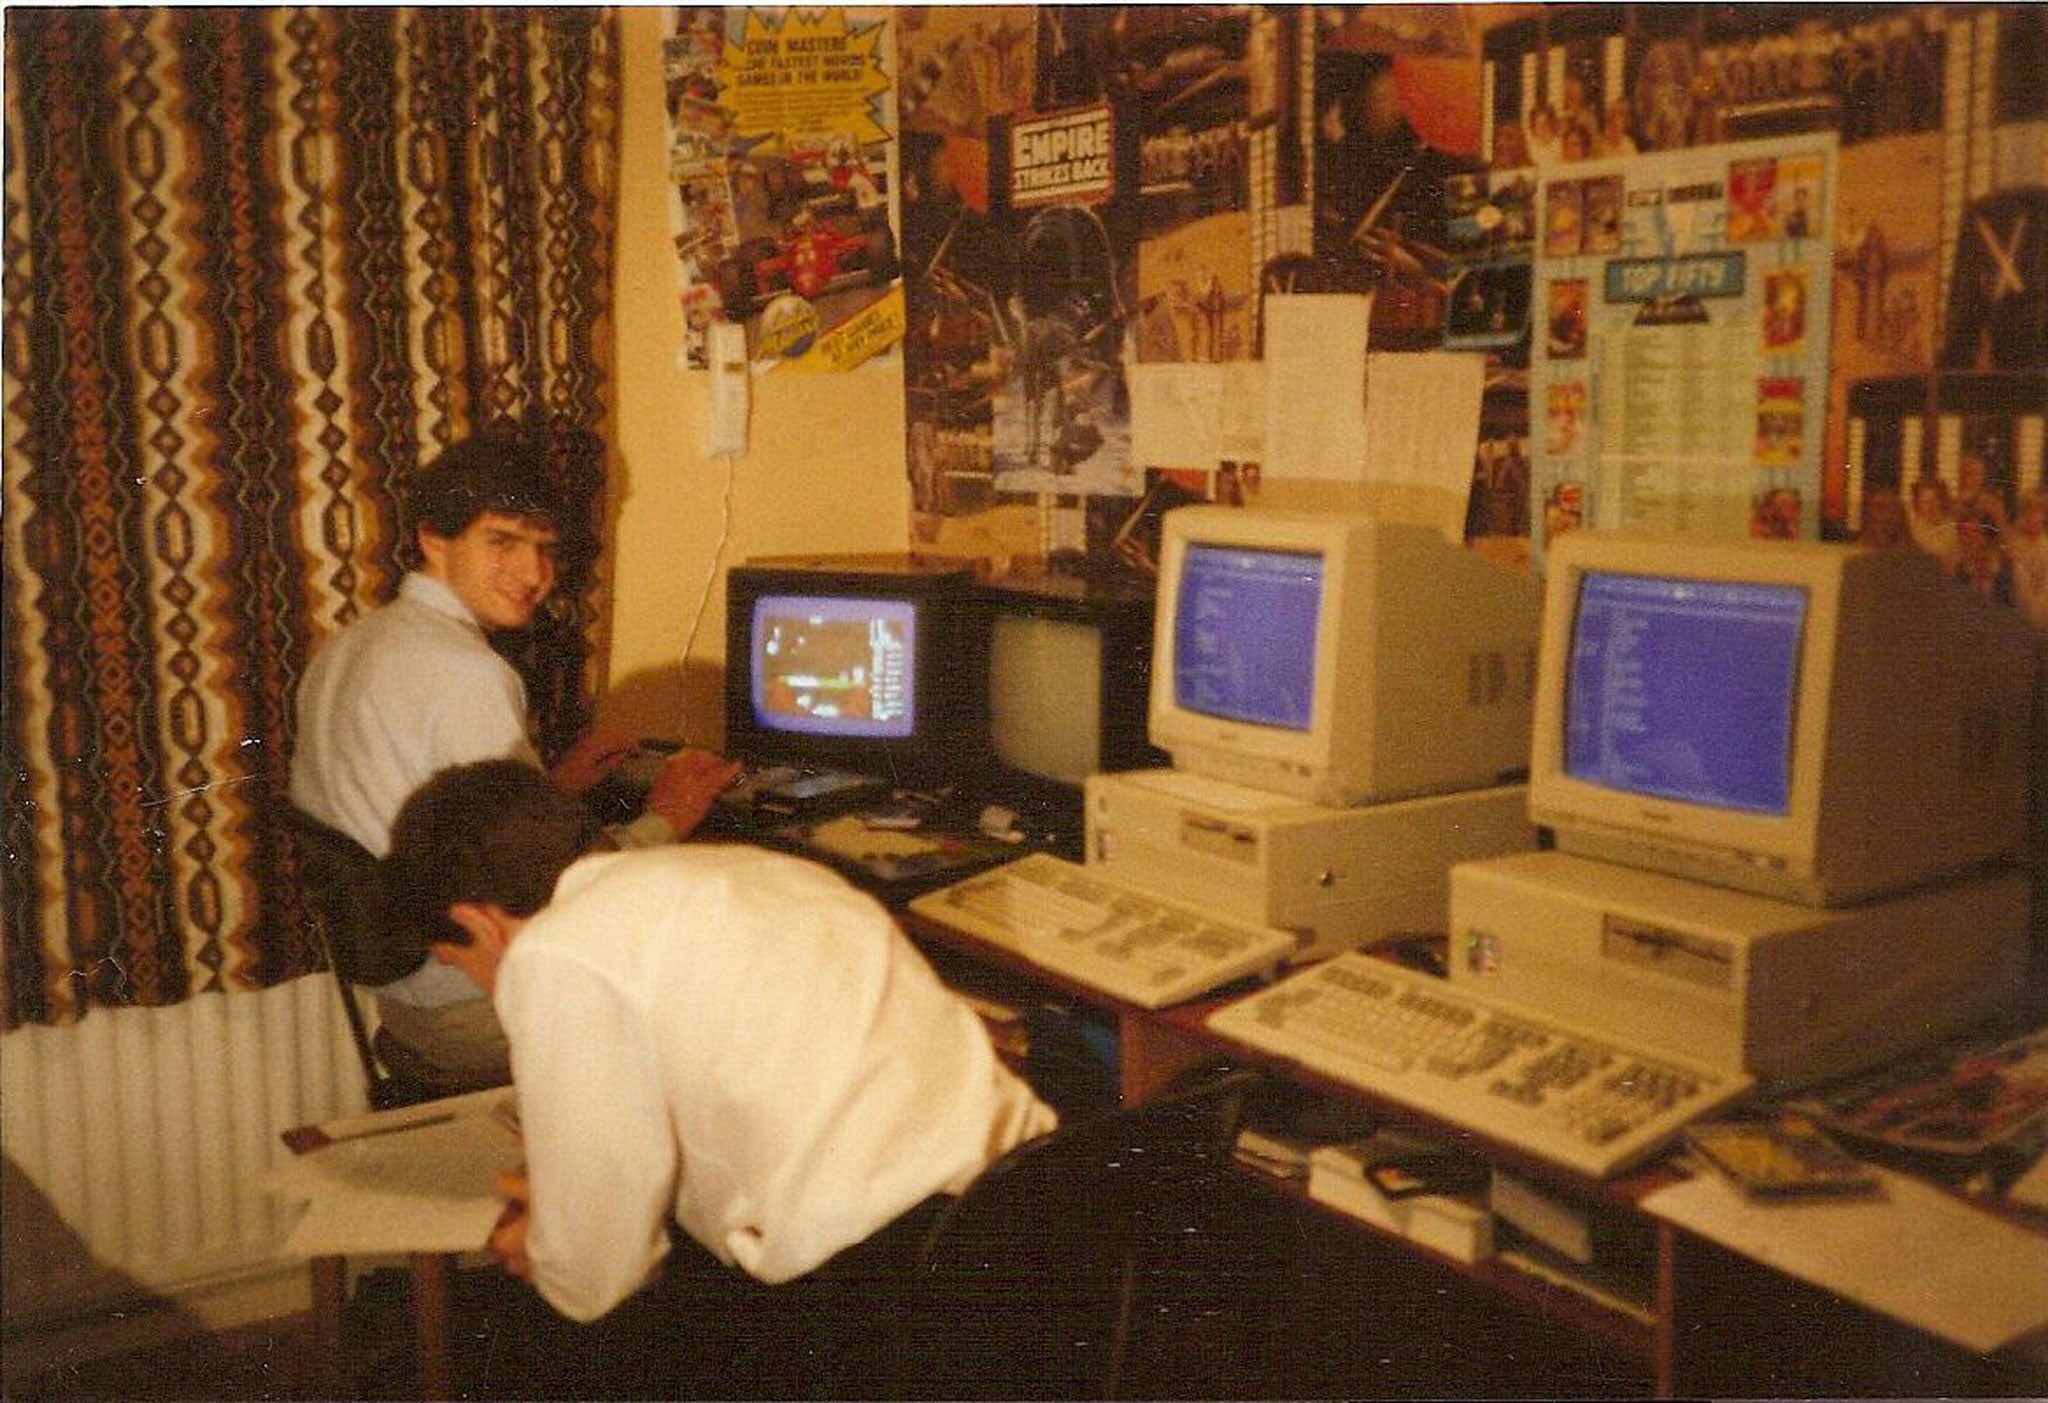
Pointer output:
x,y
1030,1283
344,898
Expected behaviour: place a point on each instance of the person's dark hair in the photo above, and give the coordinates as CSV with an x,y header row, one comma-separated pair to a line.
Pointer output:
x,y
497,831
500,468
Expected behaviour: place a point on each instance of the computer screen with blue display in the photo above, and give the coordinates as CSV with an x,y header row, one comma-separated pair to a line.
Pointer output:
x,y
1823,724
1338,658
1264,675
1685,689
869,664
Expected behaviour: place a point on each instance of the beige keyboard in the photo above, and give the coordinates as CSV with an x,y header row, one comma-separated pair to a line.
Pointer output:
x,y
1562,1094
1103,934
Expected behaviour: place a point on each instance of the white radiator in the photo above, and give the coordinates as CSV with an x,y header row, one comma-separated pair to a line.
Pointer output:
x,y
148,1132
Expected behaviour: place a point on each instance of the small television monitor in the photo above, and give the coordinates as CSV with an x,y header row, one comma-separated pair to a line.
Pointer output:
x,y
1338,658
864,663
1817,723
1069,677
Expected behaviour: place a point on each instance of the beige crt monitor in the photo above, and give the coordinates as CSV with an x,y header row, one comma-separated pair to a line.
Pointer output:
x,y
1821,724
1337,658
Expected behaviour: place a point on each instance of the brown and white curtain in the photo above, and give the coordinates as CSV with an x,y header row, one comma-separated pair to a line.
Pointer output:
x,y
259,264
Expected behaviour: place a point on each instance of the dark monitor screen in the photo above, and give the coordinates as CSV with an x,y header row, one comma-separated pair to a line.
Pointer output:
x,y
1244,634
826,666
1685,689
1069,678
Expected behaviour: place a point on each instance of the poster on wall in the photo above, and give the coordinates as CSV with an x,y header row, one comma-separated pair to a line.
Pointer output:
x,y
1678,370
780,164
1019,259
1393,131
1204,94
1089,193
1061,409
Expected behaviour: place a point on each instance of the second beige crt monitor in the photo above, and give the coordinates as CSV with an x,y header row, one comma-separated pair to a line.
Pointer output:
x,y
1338,658
1818,723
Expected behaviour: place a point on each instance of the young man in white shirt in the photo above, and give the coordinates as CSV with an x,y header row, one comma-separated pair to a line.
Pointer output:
x,y
718,1037
413,687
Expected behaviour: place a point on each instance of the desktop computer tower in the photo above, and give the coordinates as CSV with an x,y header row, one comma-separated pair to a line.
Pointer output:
x,y
1339,877
1789,994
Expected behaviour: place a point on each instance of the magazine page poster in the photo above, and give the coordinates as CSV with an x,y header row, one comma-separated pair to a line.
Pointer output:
x,y
1678,368
780,160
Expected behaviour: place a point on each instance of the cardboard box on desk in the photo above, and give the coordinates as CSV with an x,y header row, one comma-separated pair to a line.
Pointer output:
x,y
1459,1227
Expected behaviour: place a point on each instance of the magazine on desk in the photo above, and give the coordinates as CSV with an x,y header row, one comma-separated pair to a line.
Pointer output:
x,y
1957,1104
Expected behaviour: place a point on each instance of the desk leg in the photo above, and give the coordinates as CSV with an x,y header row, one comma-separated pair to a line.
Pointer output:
x,y
1153,1053
430,1276
330,1294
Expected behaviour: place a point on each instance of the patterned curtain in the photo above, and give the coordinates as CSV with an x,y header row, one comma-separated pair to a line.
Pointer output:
x,y
259,264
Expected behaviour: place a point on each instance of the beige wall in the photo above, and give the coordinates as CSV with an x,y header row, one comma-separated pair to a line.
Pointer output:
x,y
825,470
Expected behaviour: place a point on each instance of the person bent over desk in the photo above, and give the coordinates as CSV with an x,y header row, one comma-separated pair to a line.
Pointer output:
x,y
724,1038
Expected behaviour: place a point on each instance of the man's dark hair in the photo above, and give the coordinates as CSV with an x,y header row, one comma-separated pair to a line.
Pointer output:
x,y
497,831
500,468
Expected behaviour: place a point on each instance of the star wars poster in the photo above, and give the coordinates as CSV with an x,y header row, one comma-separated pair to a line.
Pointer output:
x,y
1086,190
780,161
1061,409
1207,90
1394,124
1018,255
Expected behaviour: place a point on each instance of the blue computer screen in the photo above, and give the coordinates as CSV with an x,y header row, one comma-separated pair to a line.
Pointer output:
x,y
840,666
1244,634
1685,689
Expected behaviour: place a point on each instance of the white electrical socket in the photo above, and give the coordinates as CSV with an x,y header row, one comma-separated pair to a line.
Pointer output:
x,y
725,425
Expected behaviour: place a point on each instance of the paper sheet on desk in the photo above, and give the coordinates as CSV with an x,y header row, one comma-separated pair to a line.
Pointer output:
x,y
1917,1254
427,1188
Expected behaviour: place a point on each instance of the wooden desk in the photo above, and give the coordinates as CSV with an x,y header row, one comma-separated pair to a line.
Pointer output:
x,y
474,1127
1715,1322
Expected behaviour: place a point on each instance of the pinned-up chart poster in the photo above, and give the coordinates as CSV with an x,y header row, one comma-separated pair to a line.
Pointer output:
x,y
1678,370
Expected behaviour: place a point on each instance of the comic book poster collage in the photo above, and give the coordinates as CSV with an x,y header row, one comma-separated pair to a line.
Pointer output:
x,y
779,157
1829,226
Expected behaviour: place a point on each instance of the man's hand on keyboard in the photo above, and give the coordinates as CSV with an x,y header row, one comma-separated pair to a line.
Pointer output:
x,y
687,787
590,759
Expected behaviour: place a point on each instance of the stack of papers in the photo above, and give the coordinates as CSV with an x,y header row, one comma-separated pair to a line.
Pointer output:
x,y
1916,1253
418,1179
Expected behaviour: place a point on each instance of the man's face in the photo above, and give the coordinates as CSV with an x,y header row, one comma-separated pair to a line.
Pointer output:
x,y
502,567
